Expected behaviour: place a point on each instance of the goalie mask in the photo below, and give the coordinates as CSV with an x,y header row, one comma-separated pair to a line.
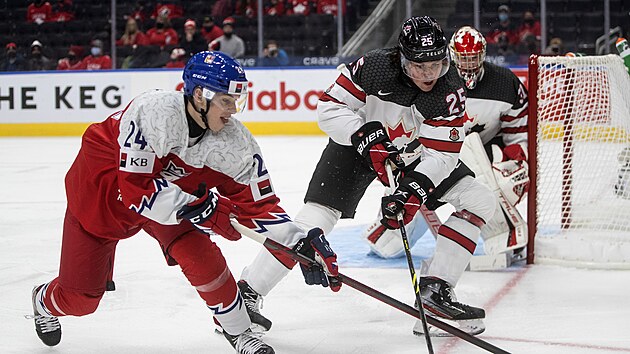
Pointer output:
x,y
468,51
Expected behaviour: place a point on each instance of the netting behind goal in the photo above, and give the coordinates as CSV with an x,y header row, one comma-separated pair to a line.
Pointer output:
x,y
580,161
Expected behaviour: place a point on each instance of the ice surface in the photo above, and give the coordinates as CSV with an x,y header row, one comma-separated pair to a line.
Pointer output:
x,y
538,309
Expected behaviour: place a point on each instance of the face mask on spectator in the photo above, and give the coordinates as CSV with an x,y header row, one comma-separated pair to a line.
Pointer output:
x,y
529,21
95,51
11,54
503,16
208,28
36,53
159,25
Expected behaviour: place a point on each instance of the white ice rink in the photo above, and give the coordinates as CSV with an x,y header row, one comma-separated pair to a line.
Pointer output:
x,y
537,309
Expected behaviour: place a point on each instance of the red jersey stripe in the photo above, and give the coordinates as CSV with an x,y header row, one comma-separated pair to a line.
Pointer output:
x,y
458,238
349,86
439,145
328,98
517,130
508,118
457,122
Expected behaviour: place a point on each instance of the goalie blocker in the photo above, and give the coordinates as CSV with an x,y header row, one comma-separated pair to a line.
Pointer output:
x,y
505,232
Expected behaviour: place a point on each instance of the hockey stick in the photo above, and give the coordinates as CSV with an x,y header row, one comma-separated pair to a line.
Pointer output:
x,y
276,246
412,269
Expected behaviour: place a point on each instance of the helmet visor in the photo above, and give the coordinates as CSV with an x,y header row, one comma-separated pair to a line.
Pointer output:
x,y
425,71
235,103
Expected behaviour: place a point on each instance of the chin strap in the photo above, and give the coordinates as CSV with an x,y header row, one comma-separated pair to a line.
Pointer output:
x,y
203,113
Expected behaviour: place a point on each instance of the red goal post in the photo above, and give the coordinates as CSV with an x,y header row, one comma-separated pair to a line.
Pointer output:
x,y
579,158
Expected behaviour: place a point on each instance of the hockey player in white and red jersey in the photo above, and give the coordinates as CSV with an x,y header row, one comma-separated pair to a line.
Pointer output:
x,y
151,167
403,106
496,105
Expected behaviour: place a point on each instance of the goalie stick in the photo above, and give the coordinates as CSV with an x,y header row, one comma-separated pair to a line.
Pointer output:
x,y
276,246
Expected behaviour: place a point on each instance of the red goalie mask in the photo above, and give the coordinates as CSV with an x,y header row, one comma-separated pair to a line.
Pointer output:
x,y
468,51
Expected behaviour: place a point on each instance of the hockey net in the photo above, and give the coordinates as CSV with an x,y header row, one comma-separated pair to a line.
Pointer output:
x,y
579,136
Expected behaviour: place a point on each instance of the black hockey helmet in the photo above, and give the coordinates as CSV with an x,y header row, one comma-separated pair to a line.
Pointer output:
x,y
422,40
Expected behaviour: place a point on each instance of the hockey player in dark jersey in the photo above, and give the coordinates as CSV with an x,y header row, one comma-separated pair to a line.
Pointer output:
x,y
403,106
496,105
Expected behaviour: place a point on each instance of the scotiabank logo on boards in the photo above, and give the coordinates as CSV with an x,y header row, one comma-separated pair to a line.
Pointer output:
x,y
282,98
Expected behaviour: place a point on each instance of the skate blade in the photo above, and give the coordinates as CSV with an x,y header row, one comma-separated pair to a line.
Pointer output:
x,y
254,327
472,327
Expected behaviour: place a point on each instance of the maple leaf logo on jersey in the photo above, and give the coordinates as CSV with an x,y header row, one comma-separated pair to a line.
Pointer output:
x,y
454,134
172,172
399,130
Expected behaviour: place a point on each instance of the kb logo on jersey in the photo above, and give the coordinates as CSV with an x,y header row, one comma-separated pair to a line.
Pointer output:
x,y
136,161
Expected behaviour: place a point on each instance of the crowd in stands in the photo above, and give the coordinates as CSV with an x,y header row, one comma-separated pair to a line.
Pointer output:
x,y
509,37
156,34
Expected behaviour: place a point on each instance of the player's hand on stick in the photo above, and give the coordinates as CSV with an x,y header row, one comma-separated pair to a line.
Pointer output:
x,y
211,213
411,193
373,143
325,270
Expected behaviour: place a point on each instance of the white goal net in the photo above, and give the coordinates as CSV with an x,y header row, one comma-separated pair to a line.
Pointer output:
x,y
580,107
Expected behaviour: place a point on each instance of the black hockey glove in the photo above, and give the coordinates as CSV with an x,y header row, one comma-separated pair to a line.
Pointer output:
x,y
407,199
372,142
324,271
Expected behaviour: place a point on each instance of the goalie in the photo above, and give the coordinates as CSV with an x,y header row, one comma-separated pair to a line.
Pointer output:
x,y
494,152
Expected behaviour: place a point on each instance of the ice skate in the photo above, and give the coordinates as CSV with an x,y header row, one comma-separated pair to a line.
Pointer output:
x,y
47,327
440,302
248,342
253,303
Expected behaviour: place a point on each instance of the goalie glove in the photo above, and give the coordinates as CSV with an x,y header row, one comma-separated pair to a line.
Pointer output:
x,y
324,271
211,214
373,143
407,199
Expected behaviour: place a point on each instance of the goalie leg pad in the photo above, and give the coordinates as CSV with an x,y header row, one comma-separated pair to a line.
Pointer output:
x,y
388,243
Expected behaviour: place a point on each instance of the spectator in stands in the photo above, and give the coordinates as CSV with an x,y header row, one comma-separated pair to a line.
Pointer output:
x,y
162,34
141,12
222,9
274,55
132,35
555,47
12,61
329,7
179,58
97,60
37,61
72,60
172,9
39,11
246,8
209,30
298,7
504,46
229,43
274,8
192,42
505,27
529,27
62,11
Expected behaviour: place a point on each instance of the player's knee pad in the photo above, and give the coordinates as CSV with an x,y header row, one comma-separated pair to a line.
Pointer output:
x,y
204,266
471,195
317,215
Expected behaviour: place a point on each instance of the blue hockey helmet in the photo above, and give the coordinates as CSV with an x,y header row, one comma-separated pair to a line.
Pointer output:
x,y
215,72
